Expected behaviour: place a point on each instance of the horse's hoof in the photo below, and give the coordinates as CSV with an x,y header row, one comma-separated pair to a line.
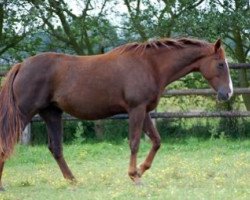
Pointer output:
x,y
138,182
2,189
72,181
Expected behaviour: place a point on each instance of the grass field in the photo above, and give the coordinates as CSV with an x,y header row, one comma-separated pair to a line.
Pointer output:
x,y
190,169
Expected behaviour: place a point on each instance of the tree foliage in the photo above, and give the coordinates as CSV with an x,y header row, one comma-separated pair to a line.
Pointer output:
x,y
15,28
91,24
83,33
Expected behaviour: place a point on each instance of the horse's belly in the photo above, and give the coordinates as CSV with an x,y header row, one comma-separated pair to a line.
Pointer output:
x,y
91,110
94,114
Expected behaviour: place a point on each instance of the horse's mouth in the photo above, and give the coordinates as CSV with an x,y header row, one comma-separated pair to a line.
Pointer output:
x,y
221,97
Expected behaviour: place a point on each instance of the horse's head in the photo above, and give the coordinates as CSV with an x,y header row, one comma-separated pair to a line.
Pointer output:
x,y
215,69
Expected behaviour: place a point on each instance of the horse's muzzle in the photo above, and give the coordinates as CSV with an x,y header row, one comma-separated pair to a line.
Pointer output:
x,y
224,95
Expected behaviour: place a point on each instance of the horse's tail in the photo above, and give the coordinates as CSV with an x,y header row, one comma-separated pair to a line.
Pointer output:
x,y
11,123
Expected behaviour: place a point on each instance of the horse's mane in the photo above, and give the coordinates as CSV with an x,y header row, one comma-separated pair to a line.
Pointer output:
x,y
166,43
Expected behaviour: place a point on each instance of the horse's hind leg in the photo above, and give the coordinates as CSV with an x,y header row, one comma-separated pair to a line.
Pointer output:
x,y
1,172
154,136
53,119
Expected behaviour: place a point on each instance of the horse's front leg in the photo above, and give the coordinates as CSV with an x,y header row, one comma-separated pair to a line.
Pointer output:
x,y
136,118
151,131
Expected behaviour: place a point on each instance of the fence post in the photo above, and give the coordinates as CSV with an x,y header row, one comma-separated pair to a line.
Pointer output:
x,y
26,135
99,129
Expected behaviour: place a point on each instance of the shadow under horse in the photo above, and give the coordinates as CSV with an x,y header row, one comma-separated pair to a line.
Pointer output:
x,y
129,79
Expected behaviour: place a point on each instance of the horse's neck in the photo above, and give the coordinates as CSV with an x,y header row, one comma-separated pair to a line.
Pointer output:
x,y
174,65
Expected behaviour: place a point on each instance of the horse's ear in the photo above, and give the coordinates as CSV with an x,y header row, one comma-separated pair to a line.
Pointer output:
x,y
217,45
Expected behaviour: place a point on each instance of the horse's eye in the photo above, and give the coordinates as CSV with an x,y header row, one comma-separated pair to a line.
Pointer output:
x,y
220,65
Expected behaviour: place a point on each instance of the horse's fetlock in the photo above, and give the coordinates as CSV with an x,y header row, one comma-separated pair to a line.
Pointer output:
x,y
132,173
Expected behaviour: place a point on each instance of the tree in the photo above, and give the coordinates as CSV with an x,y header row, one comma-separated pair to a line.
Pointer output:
x,y
150,19
86,33
15,26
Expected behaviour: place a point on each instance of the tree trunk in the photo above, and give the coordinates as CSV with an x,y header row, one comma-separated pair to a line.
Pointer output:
x,y
244,83
240,56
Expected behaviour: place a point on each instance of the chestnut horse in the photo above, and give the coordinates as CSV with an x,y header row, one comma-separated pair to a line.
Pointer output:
x,y
129,79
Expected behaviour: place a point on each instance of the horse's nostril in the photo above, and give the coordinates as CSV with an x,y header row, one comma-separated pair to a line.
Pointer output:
x,y
223,96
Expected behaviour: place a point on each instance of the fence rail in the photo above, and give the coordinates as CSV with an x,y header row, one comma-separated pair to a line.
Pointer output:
x,y
203,92
239,65
168,115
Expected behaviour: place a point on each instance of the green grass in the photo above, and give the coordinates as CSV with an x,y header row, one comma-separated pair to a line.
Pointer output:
x,y
190,169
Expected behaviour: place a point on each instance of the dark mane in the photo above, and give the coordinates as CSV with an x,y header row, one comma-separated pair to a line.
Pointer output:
x,y
160,43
